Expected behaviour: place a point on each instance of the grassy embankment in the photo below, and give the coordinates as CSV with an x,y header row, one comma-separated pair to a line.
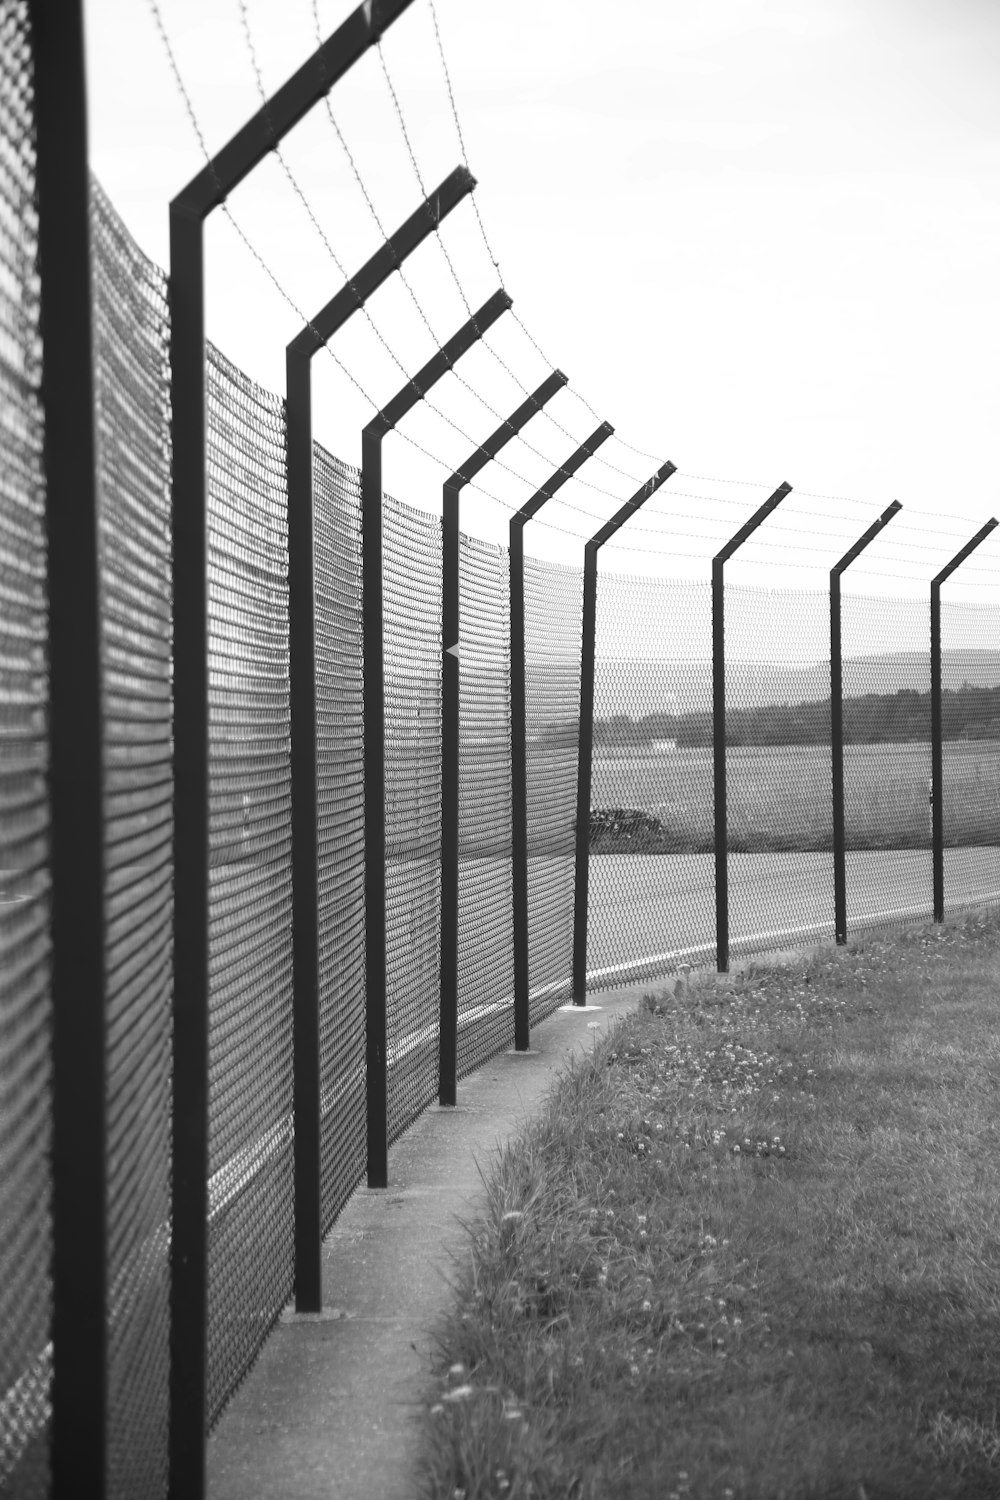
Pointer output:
x,y
751,1249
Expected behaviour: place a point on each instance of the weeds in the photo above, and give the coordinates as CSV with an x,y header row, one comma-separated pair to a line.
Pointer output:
x,y
751,1248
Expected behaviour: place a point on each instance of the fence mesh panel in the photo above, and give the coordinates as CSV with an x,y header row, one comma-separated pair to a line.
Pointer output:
x,y
970,724
250,953
778,769
25,1009
485,948
341,820
651,873
412,593
553,603
133,437
887,759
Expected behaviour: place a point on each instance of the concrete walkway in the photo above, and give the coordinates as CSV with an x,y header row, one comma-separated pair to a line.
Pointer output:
x,y
330,1408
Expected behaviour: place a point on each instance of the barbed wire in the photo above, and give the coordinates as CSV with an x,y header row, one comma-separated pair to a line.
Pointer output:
x,y
771,544
300,194
291,302
504,365
453,103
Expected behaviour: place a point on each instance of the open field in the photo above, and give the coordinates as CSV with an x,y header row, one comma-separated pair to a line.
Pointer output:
x,y
750,1251
780,798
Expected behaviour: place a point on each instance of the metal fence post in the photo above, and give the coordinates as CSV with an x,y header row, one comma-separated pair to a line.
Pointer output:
x,y
302,669
450,703
937,756
837,722
519,731
79,1147
719,722
188,390
373,626
586,738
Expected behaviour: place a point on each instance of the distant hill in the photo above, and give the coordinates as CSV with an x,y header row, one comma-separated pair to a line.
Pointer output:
x,y
637,688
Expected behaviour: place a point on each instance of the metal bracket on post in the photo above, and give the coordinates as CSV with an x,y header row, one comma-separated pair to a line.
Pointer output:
x,y
450,676
937,757
188,392
837,721
519,732
719,721
373,627
586,740
302,667
79,1392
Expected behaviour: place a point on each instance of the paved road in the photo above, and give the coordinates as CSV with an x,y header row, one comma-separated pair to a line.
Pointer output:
x,y
649,911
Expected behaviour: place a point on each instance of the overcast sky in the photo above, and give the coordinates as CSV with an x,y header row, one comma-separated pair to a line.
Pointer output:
x,y
760,236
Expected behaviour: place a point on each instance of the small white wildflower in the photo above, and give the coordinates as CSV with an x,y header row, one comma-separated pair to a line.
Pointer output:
x,y
736,1150
633,1369
460,1393
437,1409
512,1216
647,1306
641,1219
456,1371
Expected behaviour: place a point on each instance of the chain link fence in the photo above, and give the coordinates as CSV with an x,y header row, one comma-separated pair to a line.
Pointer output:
x,y
651,873
25,1001
133,456
553,600
887,758
485,893
970,723
779,791
250,948
412,594
652,880
341,828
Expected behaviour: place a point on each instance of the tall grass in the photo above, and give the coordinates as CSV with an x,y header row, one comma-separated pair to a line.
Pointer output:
x,y
751,1249
779,797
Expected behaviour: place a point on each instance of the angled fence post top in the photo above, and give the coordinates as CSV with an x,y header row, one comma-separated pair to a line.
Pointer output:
x,y
285,108
617,521
585,750
960,557
863,541
573,463
388,258
503,434
415,390
748,529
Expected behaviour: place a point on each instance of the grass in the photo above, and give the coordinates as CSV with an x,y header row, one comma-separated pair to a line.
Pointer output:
x,y
750,1250
779,798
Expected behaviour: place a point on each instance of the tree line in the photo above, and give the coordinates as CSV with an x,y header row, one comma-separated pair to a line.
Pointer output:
x,y
967,712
